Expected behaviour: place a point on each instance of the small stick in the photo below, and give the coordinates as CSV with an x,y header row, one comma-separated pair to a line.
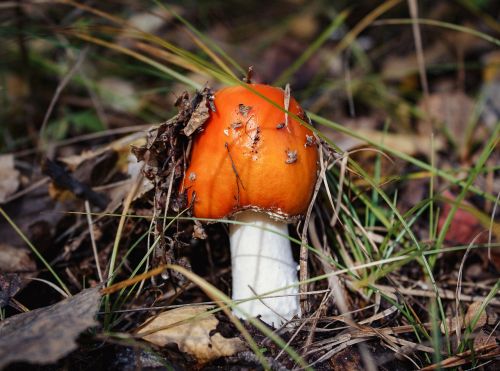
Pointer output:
x,y
287,104
92,240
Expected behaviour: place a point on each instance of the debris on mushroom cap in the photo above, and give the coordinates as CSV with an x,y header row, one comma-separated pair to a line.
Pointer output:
x,y
291,156
253,166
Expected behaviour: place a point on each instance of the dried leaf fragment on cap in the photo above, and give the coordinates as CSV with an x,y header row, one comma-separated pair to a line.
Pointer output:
x,y
202,105
193,330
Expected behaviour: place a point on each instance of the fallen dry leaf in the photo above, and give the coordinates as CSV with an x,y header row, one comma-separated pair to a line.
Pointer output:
x,y
16,265
45,335
15,259
201,113
195,336
464,321
450,111
9,177
10,284
471,314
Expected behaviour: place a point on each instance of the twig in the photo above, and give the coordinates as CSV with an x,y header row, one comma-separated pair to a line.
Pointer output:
x,y
92,240
488,350
304,251
412,4
287,105
443,294
66,79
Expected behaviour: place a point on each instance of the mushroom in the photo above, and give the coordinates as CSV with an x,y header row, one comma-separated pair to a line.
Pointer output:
x,y
258,166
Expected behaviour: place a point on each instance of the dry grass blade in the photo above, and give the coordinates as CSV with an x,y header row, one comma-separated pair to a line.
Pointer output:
x,y
443,294
221,300
488,351
65,80
92,240
420,50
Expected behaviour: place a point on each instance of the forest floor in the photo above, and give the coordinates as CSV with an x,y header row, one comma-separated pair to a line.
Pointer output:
x,y
102,264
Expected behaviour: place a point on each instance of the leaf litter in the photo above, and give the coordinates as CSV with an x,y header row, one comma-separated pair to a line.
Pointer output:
x,y
382,105
45,335
194,330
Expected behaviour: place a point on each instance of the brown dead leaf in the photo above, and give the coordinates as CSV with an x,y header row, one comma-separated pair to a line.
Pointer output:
x,y
15,259
9,177
452,324
472,313
464,321
16,265
346,360
484,338
10,284
201,113
193,329
410,144
450,112
47,334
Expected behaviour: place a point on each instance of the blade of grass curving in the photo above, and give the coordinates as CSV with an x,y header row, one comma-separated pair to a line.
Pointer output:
x,y
469,330
488,149
121,224
212,44
168,71
224,302
475,8
34,250
304,57
219,296
363,24
138,33
143,261
421,164
422,258
359,194
436,23
432,226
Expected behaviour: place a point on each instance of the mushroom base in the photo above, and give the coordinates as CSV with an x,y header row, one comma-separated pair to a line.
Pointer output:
x,y
262,261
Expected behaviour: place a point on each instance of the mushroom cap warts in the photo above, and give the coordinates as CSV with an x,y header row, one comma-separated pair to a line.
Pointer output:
x,y
250,156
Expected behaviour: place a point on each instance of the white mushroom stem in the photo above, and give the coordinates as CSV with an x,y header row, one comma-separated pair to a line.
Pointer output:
x,y
262,261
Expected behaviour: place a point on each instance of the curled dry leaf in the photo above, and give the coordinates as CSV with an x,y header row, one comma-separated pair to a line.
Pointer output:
x,y
10,284
203,103
9,177
474,314
467,320
194,330
450,111
47,334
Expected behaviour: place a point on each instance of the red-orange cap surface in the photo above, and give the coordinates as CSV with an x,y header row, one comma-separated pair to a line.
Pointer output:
x,y
246,157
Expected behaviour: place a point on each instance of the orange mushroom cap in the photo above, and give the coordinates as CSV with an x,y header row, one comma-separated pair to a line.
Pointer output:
x,y
247,158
